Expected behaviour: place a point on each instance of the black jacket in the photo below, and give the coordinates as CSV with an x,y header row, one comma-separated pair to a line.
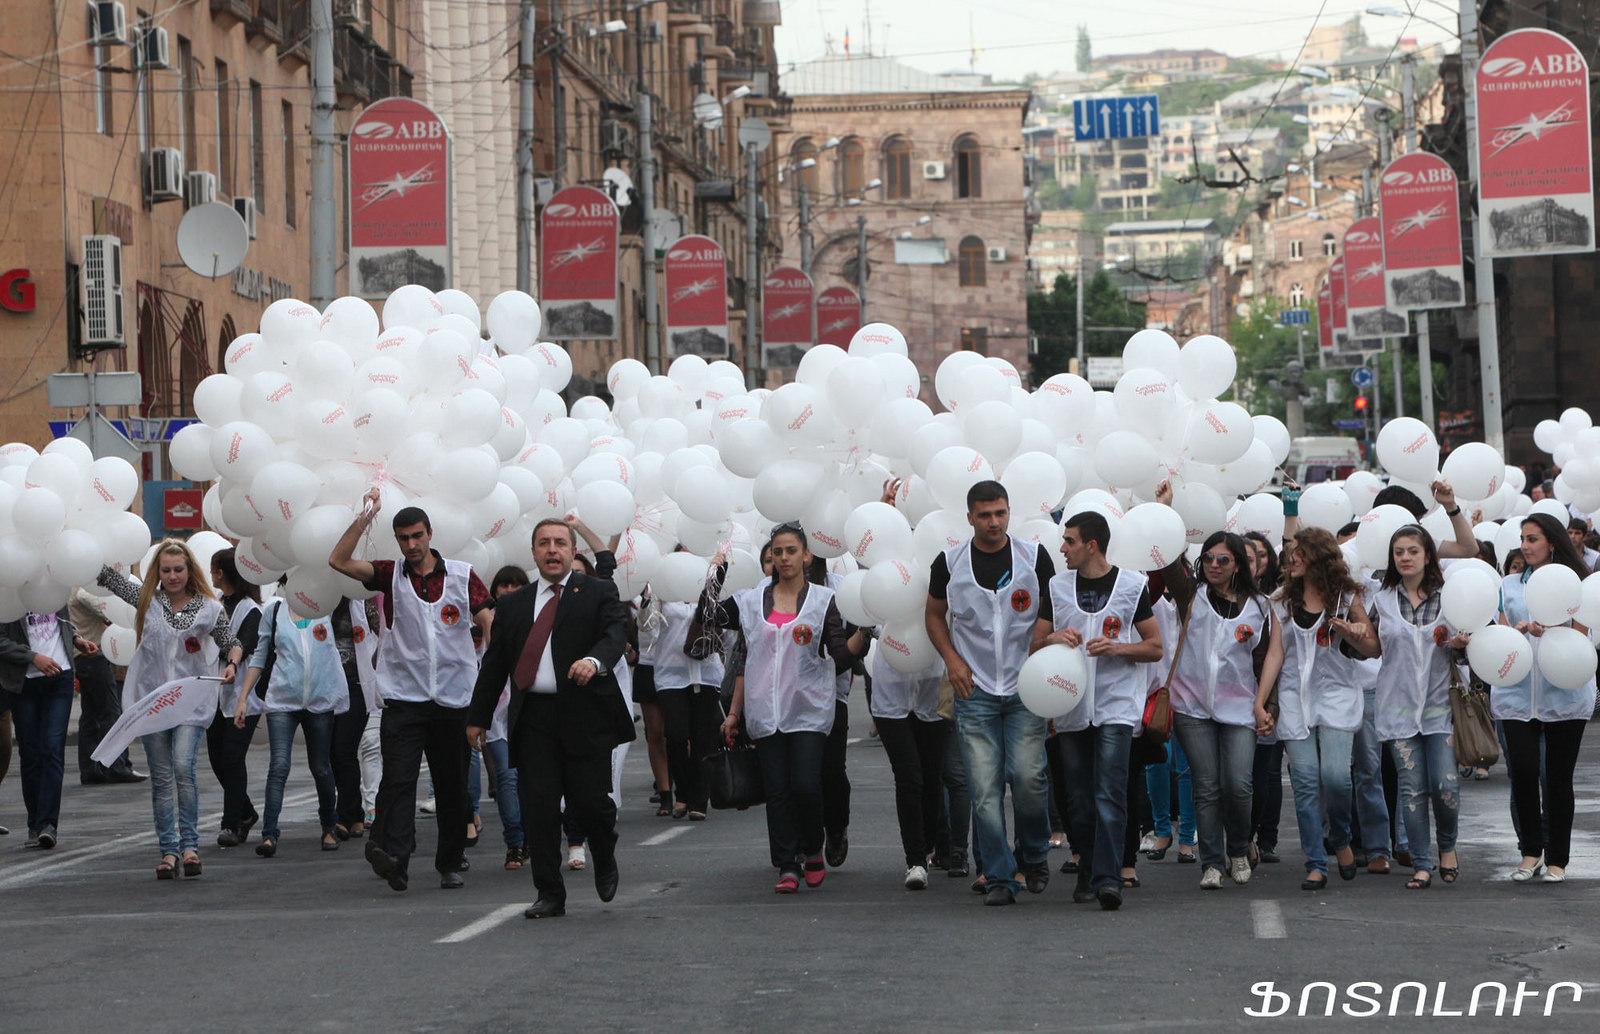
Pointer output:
x,y
591,622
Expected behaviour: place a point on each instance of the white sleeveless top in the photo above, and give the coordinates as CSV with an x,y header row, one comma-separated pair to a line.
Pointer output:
x,y
1117,686
992,630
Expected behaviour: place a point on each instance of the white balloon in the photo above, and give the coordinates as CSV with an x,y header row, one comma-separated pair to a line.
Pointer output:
x,y
951,370
1094,500
1126,459
943,431
118,644
123,538
465,475
994,429
907,648
1053,681
1148,538
1475,470
1249,473
876,532
216,399
637,559
314,535
1270,429
1263,513
1154,349
784,489
411,305
855,391
1065,402
1470,599
1566,658
1362,487
58,472
284,491
73,558
895,590
1144,398
901,378
954,470
38,515
248,355
979,382
680,577
1553,593
876,339
703,494
20,560
1500,655
1035,483
799,415
1408,450
1206,366
1325,505
513,320
269,400
817,363
1374,530
240,449
1218,432
1201,510
289,323
112,484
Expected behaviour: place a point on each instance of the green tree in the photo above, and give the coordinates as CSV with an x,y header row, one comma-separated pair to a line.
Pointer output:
x,y
1109,320
1085,54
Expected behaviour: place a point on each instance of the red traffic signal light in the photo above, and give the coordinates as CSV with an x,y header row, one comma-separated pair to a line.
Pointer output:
x,y
1361,403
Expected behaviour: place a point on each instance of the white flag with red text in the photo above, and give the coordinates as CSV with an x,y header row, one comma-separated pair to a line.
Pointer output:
x,y
186,701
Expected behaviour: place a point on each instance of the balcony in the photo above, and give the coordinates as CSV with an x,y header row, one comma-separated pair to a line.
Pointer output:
x,y
352,66
265,27
296,43
231,12
762,12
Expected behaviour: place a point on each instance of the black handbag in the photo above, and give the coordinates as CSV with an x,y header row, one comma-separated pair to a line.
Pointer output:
x,y
732,774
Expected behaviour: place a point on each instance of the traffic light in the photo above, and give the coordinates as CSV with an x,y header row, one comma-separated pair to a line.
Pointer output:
x,y
1361,405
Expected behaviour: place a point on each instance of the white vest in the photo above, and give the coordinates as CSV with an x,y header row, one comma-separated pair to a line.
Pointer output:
x,y
1319,687
228,692
674,668
897,695
992,630
1413,674
1215,678
788,676
307,674
841,681
1533,697
166,653
365,641
1117,686
428,653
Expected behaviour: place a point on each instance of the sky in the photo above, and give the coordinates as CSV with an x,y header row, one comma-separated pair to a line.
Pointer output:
x,y
1015,37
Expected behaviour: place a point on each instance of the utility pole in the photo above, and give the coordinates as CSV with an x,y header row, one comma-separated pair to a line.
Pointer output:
x,y
1385,150
525,148
861,264
324,251
647,202
805,224
752,269
1408,126
1082,371
1482,265
558,100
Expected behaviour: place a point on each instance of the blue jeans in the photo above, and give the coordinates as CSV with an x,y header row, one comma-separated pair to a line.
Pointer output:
x,y
1003,742
174,795
1319,773
1158,783
474,780
1096,760
1372,811
1426,766
1221,764
319,741
505,792
39,714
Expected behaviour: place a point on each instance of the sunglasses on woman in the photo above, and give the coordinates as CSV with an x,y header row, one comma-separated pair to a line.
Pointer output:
x,y
1217,559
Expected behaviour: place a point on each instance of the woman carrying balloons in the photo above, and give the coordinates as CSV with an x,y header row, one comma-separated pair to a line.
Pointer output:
x,y
184,637
1544,713
1319,625
795,645
1412,709
228,743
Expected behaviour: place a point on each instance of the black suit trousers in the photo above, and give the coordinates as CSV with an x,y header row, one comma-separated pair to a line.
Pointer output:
x,y
407,731
547,771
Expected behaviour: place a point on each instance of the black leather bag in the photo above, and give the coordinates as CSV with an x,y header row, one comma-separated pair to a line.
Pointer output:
x,y
733,776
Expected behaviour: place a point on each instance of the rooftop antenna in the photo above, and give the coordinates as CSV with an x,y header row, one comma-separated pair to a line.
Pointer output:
x,y
972,46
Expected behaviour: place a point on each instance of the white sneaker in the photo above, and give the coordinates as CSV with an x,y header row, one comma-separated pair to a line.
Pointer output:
x,y
1239,869
916,878
1147,843
1212,880
428,807
575,858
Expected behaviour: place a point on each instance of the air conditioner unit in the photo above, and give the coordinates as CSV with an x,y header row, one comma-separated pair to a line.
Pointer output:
x,y
933,170
110,23
199,188
616,137
102,292
997,254
164,174
246,207
154,50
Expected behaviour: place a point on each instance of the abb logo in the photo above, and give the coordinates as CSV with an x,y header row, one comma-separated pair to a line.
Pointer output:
x,y
696,254
562,210
416,129
1547,64
1357,237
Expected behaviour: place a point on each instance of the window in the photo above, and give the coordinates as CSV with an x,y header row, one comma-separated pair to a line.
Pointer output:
x,y
1330,247
897,168
258,151
972,262
851,163
102,80
289,199
969,167
805,180
975,339
1296,250
224,131
1297,296
186,114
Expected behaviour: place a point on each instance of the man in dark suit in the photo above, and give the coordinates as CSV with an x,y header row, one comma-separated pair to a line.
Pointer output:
x,y
558,642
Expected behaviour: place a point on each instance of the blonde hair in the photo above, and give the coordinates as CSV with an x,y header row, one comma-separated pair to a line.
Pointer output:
x,y
197,584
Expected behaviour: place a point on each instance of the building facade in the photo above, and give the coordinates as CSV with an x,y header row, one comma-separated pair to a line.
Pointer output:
x,y
1061,245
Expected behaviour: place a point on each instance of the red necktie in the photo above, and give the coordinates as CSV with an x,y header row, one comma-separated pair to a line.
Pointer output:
x,y
538,636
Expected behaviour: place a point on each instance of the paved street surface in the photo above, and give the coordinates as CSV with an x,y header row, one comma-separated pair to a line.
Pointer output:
x,y
696,939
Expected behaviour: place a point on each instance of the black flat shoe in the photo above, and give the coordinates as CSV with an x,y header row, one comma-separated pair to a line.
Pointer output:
x,y
837,849
341,832
385,867
1420,881
1191,858
1270,857
1311,884
999,894
1037,878
1449,873
1347,872
606,878
1130,881
333,846
1155,854
1110,899
1069,867
545,908
451,881
267,848
1082,894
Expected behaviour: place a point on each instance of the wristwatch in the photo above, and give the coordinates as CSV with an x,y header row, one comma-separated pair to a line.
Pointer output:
x,y
1452,514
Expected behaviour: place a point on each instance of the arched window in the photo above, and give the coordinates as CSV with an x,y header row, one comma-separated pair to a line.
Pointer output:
x,y
1330,247
804,179
1297,296
852,166
972,262
968,167
896,168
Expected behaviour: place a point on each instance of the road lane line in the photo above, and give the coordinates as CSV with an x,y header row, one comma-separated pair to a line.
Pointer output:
x,y
852,741
663,837
1268,920
484,925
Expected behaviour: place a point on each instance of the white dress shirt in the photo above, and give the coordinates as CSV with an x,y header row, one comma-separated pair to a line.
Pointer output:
x,y
545,680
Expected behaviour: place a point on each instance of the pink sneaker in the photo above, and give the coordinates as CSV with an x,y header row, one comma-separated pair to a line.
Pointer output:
x,y
816,870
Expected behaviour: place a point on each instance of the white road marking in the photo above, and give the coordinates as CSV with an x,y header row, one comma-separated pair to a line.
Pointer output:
x,y
1268,920
664,836
484,925
70,859
852,741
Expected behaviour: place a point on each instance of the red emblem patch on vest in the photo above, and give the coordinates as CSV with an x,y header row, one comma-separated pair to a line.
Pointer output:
x,y
1021,600
319,633
802,635
1440,636
358,635
1243,633
1324,634
449,614
191,645
1111,627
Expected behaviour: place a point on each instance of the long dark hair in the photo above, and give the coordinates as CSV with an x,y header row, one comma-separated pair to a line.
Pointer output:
x,y
1325,570
1562,551
1243,584
1270,575
1432,573
816,571
223,560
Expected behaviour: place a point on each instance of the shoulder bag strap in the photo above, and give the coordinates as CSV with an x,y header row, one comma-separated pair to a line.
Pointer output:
x,y
1177,654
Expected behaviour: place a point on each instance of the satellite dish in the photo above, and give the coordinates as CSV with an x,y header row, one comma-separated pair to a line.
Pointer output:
x,y
754,135
666,226
212,239
618,184
708,111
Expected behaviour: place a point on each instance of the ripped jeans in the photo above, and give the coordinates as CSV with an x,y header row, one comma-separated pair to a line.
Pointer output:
x,y
1426,765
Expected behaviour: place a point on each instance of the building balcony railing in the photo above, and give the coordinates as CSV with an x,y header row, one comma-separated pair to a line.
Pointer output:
x,y
265,26
296,42
231,12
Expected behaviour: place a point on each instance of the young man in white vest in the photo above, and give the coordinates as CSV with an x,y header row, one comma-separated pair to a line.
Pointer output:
x,y
1107,611
425,671
983,599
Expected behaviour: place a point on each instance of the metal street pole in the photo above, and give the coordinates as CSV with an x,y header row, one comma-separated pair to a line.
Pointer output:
x,y
1385,151
1482,266
861,264
525,148
1294,407
752,271
1408,95
559,115
324,250
805,225
1082,372
647,204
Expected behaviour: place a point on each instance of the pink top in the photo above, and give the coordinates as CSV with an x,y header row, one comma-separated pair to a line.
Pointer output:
x,y
780,619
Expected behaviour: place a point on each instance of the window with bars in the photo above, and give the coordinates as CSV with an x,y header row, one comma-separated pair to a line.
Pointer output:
x,y
897,168
1297,249
975,339
1330,246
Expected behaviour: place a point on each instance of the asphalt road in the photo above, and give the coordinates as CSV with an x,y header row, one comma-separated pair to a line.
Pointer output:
x,y
696,940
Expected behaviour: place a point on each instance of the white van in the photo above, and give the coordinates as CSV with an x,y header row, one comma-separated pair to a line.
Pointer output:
x,y
1322,459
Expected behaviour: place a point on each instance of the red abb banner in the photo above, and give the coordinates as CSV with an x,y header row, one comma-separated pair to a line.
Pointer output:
x,y
399,175
788,305
1369,317
578,266
1421,216
1535,176
838,316
1340,317
696,271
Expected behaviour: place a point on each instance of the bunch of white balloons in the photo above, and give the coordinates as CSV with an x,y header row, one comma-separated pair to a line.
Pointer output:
x,y
63,514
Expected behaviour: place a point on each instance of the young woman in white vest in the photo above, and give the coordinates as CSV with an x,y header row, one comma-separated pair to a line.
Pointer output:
x,y
1411,711
795,645
182,632
305,688
1542,723
1106,611
227,745
688,678
1226,626
1319,622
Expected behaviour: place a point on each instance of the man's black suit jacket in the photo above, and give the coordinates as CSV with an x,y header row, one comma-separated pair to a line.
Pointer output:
x,y
591,622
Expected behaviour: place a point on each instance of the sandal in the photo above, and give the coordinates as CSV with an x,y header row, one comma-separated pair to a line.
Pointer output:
x,y
1450,873
1130,881
788,883
680,811
513,859
1420,881
358,830
664,809
696,816
166,870
1155,854
191,865
1188,857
